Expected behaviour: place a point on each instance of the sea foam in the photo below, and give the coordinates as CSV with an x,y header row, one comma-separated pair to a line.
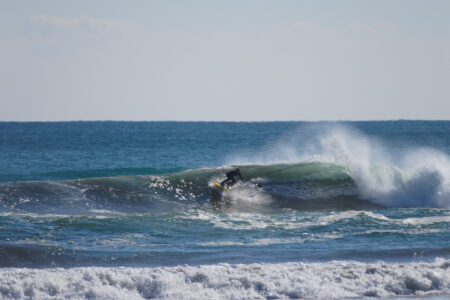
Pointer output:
x,y
337,279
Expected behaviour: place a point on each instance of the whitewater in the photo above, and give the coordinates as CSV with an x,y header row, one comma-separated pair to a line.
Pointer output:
x,y
102,210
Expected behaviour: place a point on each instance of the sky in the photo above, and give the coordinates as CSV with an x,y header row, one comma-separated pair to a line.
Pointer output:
x,y
224,60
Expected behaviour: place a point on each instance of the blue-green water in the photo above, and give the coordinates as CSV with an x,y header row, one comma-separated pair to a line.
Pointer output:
x,y
350,209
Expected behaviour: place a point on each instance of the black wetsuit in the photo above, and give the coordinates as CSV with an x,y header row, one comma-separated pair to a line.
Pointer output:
x,y
230,177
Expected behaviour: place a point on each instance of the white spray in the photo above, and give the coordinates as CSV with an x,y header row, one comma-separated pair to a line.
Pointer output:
x,y
417,177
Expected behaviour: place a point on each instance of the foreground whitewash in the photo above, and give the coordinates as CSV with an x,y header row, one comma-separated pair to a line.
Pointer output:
x,y
335,279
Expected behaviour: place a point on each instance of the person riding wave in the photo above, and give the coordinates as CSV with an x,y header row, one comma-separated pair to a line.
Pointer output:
x,y
230,177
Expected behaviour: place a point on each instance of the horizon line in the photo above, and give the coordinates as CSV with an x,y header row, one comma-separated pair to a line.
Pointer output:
x,y
227,121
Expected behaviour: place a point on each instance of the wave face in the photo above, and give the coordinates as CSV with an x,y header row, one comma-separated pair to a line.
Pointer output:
x,y
301,186
296,186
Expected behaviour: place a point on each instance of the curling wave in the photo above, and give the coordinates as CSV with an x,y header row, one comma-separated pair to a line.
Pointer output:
x,y
302,186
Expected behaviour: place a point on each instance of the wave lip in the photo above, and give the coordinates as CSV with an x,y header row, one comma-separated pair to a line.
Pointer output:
x,y
337,279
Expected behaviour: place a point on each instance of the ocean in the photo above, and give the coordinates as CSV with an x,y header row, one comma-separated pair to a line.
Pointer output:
x,y
128,210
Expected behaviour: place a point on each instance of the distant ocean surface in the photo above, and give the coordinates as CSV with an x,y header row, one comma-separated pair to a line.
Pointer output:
x,y
127,210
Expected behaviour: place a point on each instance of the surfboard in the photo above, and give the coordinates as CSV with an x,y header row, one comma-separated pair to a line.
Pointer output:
x,y
220,186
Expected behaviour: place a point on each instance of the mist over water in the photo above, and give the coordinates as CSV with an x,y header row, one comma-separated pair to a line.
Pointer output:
x,y
364,204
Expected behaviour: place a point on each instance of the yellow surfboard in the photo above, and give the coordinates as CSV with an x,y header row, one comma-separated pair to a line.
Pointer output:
x,y
220,186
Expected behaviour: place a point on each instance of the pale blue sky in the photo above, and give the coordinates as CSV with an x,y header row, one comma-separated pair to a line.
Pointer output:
x,y
224,60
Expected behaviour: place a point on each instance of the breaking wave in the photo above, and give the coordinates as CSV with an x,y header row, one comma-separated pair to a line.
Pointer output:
x,y
334,168
338,279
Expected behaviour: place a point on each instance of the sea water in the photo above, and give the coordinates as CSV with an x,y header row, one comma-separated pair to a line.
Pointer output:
x,y
114,210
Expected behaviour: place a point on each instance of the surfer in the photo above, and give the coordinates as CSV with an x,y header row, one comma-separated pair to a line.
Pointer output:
x,y
230,177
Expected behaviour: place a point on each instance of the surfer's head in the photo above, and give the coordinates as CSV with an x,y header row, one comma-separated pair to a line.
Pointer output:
x,y
237,170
